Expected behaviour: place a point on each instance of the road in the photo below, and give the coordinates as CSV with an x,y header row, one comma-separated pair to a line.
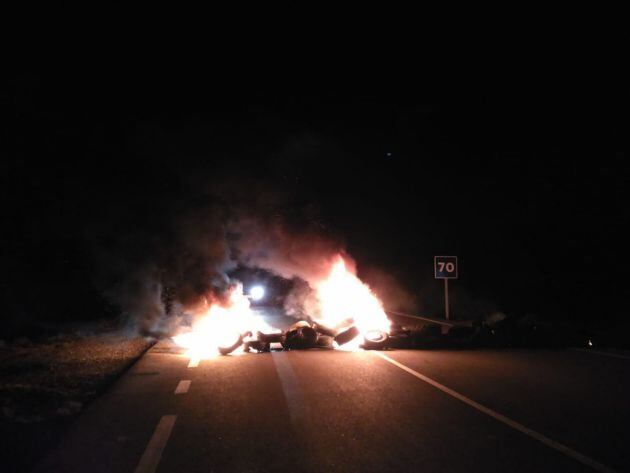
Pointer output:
x,y
320,410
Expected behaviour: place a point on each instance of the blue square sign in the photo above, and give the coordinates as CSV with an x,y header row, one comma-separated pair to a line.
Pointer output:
x,y
445,267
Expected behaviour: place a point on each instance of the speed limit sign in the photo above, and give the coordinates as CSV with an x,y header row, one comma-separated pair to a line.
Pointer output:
x,y
445,267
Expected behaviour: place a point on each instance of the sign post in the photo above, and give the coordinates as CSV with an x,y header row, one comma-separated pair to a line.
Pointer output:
x,y
446,313
445,268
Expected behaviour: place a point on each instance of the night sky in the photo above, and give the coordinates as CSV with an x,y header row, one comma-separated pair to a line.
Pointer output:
x,y
528,188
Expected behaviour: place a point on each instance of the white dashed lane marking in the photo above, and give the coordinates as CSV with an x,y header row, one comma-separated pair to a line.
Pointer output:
x,y
153,453
183,386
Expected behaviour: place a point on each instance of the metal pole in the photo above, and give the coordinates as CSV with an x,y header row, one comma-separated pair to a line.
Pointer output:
x,y
446,298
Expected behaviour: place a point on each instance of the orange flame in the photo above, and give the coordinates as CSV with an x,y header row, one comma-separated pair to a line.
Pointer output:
x,y
221,326
344,299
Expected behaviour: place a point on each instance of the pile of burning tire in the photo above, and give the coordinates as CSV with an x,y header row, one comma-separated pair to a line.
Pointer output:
x,y
302,335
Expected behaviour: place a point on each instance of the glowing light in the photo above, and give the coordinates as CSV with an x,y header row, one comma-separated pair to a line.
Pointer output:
x,y
221,326
344,300
352,345
345,304
257,293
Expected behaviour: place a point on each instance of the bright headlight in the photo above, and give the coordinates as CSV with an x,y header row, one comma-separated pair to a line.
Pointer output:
x,y
257,293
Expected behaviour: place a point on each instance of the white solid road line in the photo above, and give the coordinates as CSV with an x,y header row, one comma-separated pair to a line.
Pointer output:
x,y
501,418
603,353
183,386
193,363
298,407
152,454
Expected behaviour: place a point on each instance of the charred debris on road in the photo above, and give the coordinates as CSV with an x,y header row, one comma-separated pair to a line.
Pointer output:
x,y
504,333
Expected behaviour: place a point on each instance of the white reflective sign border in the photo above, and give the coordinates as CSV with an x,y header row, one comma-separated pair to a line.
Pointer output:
x,y
445,267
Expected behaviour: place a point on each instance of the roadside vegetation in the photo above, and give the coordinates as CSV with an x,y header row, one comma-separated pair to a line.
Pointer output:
x,y
47,382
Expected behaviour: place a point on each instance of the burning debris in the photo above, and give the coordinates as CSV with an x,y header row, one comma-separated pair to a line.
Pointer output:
x,y
343,297
181,281
222,326
346,315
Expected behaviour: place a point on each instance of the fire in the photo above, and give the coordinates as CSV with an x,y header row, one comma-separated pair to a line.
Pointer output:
x,y
222,325
346,305
344,299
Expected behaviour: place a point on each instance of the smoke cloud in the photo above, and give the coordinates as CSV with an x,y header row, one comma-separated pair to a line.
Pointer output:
x,y
161,257
158,275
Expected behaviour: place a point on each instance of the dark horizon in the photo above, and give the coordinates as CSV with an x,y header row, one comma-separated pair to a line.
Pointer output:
x,y
529,191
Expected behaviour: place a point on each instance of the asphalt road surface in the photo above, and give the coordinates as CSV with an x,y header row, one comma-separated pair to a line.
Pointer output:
x,y
323,410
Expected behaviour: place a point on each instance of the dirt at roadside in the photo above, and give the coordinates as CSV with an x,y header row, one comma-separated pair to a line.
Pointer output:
x,y
47,383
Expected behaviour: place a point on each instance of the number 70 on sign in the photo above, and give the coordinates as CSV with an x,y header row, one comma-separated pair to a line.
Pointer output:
x,y
445,267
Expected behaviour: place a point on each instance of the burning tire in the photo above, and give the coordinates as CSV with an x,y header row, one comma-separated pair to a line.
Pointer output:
x,y
229,349
300,337
375,340
322,330
263,342
347,336
257,345
269,337
324,341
